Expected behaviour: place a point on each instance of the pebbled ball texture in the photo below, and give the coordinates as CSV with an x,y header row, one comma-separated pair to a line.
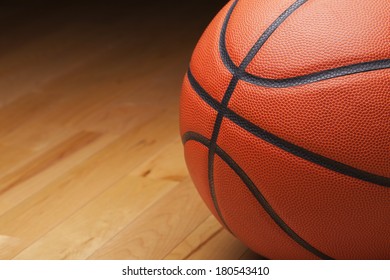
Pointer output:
x,y
285,120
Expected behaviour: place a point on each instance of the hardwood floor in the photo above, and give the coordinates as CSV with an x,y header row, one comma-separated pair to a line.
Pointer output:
x,y
91,163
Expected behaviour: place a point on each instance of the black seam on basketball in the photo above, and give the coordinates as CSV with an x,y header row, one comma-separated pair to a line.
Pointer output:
x,y
318,76
240,70
232,85
294,81
222,41
285,145
212,146
255,192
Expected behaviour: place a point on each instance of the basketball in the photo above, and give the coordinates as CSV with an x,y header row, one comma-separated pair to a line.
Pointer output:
x,y
285,122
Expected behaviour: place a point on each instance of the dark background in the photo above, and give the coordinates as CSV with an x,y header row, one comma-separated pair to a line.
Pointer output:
x,y
172,25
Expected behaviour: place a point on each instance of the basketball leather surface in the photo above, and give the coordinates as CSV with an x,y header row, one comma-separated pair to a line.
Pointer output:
x,y
285,120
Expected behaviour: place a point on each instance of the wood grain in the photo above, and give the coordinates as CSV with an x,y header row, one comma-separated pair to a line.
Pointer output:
x,y
34,183
159,229
40,212
99,221
206,231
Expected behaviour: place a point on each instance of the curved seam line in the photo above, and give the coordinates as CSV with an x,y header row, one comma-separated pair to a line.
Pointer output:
x,y
212,147
274,140
318,76
255,192
230,90
298,80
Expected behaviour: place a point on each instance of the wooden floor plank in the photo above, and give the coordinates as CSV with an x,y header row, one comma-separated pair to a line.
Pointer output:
x,y
194,241
12,157
97,222
40,172
63,150
159,229
41,212
168,164
37,136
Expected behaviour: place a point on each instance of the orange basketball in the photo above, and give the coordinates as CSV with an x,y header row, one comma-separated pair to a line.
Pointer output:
x,y
285,120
